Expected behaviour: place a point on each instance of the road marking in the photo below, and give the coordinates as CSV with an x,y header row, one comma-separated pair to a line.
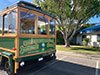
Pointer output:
x,y
47,65
97,68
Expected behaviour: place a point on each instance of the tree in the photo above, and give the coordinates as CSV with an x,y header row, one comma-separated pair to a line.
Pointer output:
x,y
70,14
86,26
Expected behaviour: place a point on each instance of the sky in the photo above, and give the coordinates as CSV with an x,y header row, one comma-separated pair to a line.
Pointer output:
x,y
94,20
5,3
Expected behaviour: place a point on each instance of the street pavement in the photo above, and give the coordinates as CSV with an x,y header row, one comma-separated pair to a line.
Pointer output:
x,y
67,63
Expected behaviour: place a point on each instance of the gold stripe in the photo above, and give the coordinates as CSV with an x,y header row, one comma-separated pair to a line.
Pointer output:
x,y
8,35
9,50
36,36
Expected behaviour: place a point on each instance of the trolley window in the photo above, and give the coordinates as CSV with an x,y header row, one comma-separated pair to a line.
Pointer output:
x,y
52,27
10,22
27,22
42,25
0,24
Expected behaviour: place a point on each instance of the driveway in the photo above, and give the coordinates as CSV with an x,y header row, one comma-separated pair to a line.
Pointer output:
x,y
67,63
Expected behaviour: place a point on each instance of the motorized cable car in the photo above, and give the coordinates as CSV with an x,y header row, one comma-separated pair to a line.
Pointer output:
x,y
26,33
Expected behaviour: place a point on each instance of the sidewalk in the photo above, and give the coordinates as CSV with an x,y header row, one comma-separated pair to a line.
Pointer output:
x,y
80,55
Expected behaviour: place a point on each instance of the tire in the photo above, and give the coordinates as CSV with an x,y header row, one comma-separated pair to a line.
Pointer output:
x,y
7,68
0,60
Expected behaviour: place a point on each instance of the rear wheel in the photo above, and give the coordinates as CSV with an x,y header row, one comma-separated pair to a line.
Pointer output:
x,y
0,59
7,68
1,62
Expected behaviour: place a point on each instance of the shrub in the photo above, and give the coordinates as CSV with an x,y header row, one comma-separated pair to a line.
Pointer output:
x,y
85,41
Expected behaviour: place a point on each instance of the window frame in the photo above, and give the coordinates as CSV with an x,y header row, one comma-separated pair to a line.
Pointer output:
x,y
20,21
18,10
46,25
3,20
15,20
53,26
36,24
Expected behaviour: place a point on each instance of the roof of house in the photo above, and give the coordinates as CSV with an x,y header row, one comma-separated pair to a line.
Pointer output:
x,y
91,29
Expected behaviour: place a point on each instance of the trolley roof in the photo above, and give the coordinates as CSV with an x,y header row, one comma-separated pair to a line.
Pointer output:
x,y
30,6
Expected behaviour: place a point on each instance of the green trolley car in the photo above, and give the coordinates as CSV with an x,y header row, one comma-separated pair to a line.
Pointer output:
x,y
26,33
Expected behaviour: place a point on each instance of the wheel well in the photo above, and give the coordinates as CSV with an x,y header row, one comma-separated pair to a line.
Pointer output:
x,y
3,61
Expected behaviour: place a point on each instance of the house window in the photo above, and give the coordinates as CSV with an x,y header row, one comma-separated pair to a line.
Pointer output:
x,y
27,22
10,22
98,37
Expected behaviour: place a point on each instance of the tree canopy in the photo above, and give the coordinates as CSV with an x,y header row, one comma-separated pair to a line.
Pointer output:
x,y
70,14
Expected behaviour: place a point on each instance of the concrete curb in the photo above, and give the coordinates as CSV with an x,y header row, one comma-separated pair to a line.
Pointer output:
x,y
80,55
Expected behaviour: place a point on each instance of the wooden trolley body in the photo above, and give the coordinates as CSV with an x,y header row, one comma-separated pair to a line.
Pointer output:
x,y
26,33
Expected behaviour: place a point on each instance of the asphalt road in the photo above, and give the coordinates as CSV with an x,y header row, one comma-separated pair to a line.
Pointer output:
x,y
65,64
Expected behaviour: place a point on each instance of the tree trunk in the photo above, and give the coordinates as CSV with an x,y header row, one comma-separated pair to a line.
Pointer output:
x,y
66,40
67,43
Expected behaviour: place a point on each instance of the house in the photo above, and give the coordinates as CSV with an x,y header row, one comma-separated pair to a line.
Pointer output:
x,y
93,34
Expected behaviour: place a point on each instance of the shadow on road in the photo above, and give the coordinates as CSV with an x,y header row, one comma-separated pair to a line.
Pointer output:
x,y
56,67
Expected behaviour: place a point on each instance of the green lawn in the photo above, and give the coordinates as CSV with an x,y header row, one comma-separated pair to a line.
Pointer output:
x,y
79,49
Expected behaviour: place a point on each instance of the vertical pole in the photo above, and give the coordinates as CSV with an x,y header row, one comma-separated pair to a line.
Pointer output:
x,y
36,25
48,27
55,31
17,39
16,53
3,24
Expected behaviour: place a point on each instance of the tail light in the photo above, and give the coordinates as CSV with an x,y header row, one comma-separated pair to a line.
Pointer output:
x,y
14,49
